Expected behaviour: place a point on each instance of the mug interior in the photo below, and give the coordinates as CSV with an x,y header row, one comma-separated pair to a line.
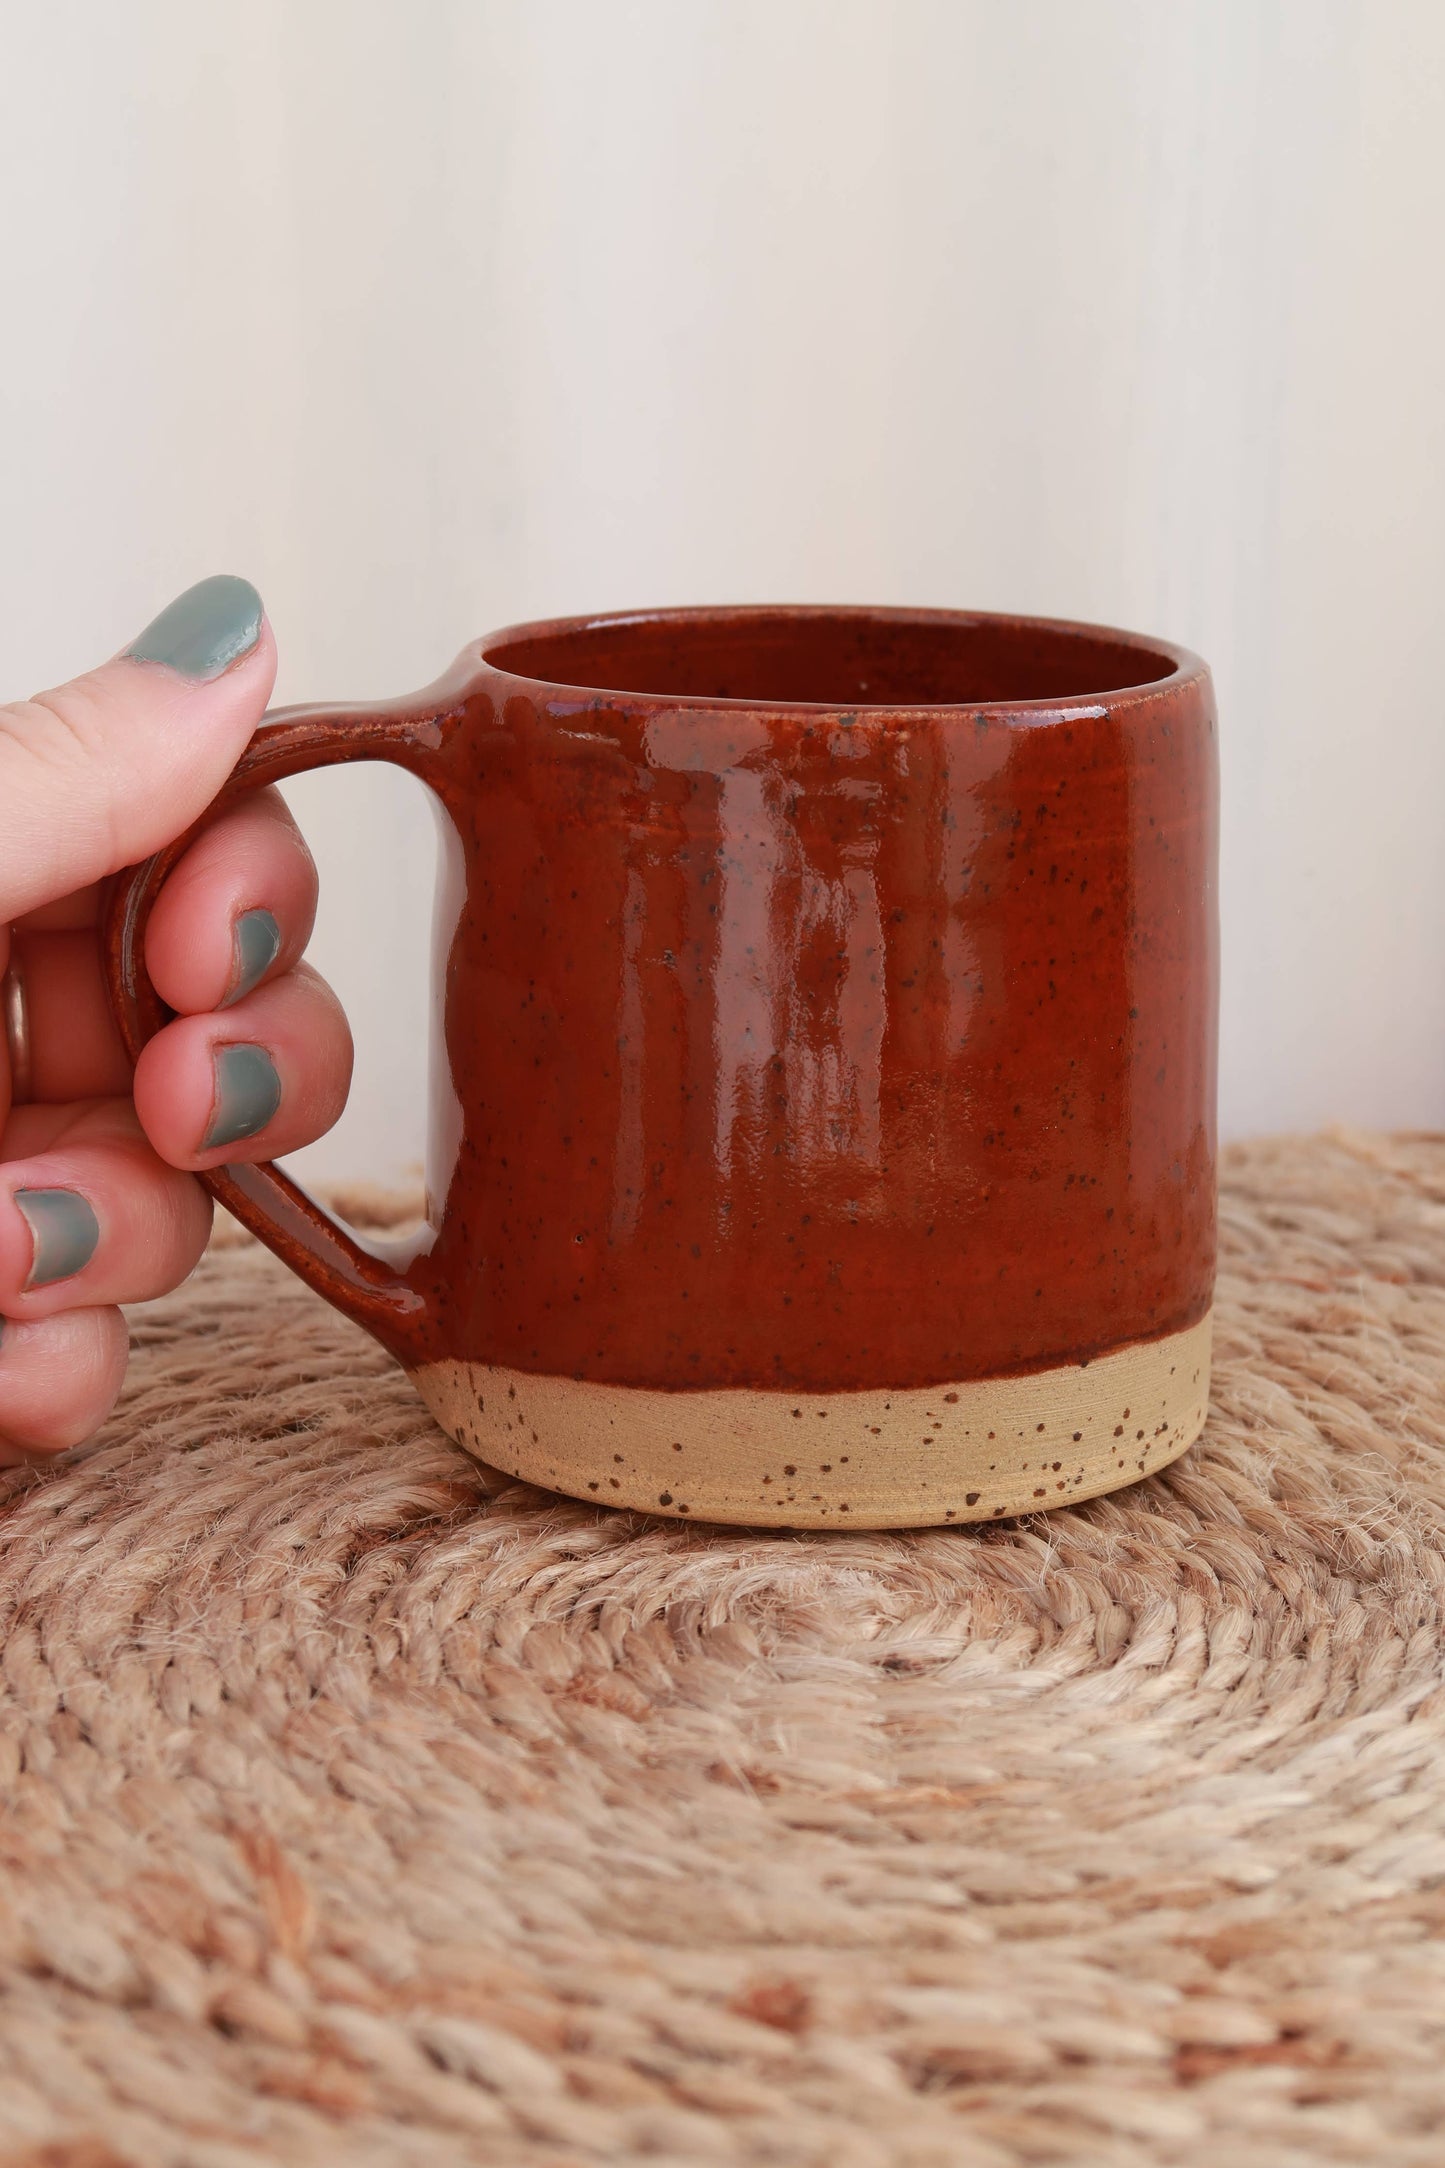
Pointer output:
x,y
831,658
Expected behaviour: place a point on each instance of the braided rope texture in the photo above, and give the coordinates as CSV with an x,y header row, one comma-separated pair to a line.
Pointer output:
x,y
360,1807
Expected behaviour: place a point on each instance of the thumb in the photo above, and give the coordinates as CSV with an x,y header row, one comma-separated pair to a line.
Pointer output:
x,y
110,767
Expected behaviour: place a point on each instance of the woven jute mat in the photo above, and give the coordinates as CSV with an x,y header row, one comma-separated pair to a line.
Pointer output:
x,y
359,1807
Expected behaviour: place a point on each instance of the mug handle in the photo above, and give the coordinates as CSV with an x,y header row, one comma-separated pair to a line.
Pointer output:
x,y
360,1281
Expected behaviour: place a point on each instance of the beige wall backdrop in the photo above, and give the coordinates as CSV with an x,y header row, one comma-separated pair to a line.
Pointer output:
x,y
432,316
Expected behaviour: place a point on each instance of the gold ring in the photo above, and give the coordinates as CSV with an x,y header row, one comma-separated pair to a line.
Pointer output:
x,y
17,1027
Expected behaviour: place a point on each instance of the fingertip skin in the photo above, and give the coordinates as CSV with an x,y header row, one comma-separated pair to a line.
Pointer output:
x,y
59,1377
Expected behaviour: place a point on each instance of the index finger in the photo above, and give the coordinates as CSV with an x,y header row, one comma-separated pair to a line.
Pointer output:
x,y
68,914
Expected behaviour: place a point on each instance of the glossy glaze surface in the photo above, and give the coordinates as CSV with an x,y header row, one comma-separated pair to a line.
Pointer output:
x,y
826,1001
825,1047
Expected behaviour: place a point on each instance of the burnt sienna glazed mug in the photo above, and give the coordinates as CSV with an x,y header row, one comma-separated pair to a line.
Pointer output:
x,y
822,1111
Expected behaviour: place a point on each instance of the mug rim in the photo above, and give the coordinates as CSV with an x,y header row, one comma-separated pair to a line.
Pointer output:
x,y
1184,667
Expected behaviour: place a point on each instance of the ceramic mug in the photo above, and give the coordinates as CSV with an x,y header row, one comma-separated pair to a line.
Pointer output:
x,y
822,1105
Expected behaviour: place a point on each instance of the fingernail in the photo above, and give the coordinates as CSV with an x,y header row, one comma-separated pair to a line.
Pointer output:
x,y
63,1232
248,1092
204,630
256,943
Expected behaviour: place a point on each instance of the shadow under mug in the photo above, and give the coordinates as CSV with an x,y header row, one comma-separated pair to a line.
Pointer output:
x,y
822,1105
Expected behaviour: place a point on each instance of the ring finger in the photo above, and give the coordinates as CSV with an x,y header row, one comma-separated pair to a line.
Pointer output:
x,y
89,1214
248,1082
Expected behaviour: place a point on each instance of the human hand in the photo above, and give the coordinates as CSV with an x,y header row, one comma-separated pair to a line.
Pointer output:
x,y
97,1203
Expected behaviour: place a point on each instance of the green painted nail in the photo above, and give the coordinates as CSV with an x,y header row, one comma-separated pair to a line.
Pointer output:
x,y
248,1092
256,944
63,1231
204,630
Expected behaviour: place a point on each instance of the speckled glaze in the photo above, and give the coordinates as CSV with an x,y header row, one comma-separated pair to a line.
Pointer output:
x,y
827,1007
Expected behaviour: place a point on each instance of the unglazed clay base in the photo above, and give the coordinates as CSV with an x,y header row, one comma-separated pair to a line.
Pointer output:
x,y
968,1452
